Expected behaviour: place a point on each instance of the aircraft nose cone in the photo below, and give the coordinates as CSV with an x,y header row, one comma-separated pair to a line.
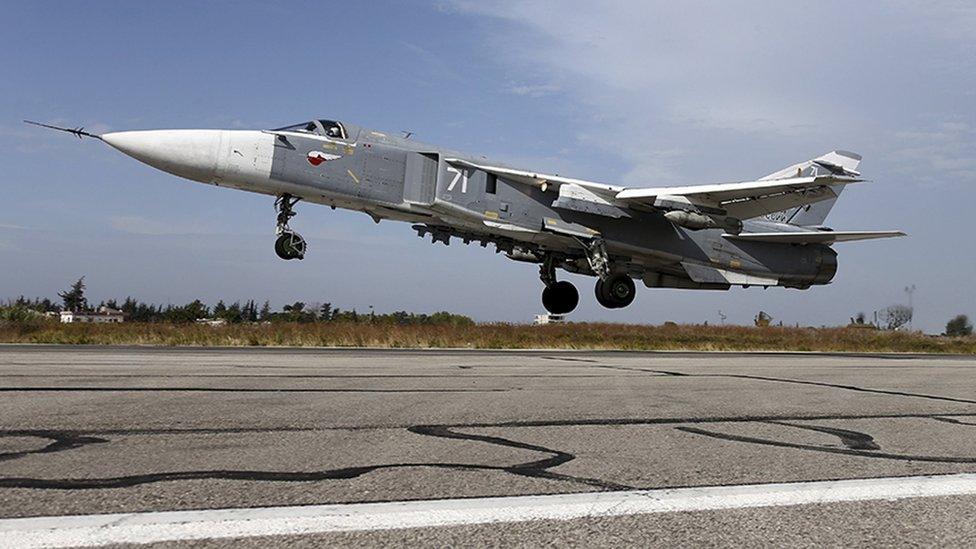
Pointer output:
x,y
187,153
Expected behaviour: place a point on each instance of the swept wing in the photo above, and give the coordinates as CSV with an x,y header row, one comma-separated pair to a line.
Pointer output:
x,y
814,237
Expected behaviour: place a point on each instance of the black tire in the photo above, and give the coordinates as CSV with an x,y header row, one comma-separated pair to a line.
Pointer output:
x,y
290,245
281,247
616,292
602,297
561,298
568,296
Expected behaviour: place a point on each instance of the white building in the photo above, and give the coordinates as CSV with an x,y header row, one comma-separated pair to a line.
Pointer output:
x,y
548,319
103,315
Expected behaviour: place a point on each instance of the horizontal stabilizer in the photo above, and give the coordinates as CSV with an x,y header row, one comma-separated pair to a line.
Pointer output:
x,y
814,237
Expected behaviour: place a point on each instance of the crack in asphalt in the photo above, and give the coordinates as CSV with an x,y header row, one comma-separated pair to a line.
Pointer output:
x,y
60,441
855,440
534,469
304,376
953,421
826,449
854,443
805,382
230,390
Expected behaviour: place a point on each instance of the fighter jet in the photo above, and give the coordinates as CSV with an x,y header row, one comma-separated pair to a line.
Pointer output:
x,y
765,232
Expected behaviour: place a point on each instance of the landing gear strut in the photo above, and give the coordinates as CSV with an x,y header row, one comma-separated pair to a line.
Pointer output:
x,y
597,257
616,291
558,297
289,244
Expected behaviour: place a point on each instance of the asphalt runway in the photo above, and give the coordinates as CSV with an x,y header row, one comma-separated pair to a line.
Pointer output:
x,y
94,431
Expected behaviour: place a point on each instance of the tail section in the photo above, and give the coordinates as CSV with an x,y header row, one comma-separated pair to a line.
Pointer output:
x,y
812,215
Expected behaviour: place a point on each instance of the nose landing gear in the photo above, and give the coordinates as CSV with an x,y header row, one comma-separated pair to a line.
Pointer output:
x,y
289,244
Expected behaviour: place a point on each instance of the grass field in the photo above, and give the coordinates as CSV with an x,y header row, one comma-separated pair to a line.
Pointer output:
x,y
491,336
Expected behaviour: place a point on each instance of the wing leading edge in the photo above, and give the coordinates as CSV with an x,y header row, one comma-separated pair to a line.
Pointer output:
x,y
814,237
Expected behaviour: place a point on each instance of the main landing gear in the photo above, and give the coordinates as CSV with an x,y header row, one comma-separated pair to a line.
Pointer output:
x,y
558,297
616,291
289,244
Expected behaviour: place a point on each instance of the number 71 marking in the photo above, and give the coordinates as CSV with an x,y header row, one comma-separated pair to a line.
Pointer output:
x,y
458,174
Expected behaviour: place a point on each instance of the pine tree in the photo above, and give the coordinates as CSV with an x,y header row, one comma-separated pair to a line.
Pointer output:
x,y
74,299
959,327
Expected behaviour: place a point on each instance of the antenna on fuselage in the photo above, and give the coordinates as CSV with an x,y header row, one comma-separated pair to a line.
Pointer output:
x,y
77,132
406,134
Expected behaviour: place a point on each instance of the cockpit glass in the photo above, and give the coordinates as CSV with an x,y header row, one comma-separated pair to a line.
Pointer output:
x,y
305,127
333,129
328,128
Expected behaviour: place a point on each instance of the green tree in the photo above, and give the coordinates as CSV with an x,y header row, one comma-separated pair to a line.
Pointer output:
x,y
196,309
296,312
265,313
234,313
959,327
74,299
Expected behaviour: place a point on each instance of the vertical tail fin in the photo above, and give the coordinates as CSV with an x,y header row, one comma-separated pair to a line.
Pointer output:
x,y
810,215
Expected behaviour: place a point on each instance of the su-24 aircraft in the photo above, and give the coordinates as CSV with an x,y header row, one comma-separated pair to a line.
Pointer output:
x,y
767,232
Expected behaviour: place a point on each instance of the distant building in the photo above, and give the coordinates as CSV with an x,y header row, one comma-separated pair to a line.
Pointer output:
x,y
211,321
549,319
103,315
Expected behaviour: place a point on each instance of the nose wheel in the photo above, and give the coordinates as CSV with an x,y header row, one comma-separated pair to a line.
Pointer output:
x,y
289,244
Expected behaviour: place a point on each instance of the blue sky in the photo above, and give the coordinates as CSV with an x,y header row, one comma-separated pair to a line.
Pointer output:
x,y
641,93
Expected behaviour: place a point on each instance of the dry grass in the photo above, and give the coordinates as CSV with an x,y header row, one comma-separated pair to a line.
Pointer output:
x,y
492,336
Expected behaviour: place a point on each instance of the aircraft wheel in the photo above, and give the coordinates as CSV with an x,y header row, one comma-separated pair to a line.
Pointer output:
x,y
290,245
560,298
616,292
601,295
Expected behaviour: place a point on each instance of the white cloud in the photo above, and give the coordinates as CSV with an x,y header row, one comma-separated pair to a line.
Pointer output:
x,y
944,153
668,84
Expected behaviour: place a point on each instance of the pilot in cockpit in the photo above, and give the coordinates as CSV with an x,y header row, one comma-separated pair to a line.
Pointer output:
x,y
328,128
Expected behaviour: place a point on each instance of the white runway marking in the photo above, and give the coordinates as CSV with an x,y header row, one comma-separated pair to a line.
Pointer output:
x,y
92,530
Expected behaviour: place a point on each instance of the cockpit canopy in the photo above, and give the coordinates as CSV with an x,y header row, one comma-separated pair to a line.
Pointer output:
x,y
327,128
